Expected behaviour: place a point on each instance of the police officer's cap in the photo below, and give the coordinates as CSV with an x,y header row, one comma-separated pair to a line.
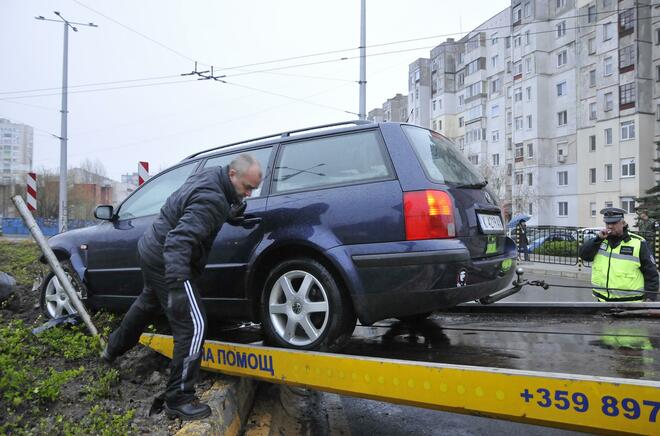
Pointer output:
x,y
612,214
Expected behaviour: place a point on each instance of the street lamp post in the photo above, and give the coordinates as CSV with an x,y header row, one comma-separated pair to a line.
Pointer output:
x,y
62,222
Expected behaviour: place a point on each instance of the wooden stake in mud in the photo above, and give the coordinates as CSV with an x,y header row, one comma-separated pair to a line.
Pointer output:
x,y
54,264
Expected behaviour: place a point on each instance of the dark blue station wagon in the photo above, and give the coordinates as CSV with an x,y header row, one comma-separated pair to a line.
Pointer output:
x,y
353,220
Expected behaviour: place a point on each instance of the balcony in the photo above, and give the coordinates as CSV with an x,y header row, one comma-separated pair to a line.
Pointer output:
x,y
517,77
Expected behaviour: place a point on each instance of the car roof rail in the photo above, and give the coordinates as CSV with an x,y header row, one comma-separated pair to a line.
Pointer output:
x,y
281,135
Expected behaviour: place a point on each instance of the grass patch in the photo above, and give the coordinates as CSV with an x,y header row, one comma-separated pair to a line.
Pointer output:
x,y
20,259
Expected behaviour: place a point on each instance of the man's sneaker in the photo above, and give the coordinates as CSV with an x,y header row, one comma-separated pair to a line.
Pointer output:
x,y
107,357
188,411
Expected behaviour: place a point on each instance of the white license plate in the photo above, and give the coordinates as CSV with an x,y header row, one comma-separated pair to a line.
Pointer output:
x,y
490,223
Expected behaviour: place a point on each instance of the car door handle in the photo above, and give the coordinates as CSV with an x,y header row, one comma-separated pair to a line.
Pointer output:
x,y
250,221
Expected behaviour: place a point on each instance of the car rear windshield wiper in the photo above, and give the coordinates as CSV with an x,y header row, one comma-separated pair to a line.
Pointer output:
x,y
478,185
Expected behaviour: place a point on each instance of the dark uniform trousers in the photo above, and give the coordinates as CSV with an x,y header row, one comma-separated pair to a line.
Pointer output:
x,y
187,318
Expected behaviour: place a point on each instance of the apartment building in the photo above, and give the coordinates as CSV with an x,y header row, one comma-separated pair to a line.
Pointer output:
x,y
16,143
419,92
557,102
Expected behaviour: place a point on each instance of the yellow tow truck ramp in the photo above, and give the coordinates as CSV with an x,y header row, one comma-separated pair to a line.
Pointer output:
x,y
575,402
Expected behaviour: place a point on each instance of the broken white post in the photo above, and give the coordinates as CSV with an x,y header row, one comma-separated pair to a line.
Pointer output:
x,y
54,264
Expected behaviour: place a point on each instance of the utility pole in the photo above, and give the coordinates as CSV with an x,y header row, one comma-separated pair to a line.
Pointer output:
x,y
363,61
63,216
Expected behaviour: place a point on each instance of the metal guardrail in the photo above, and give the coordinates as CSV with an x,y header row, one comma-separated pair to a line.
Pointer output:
x,y
561,245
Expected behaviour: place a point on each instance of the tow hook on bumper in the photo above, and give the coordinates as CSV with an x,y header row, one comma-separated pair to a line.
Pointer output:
x,y
516,286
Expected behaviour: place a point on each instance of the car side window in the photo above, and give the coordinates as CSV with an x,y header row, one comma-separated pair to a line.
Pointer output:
x,y
329,161
152,195
262,155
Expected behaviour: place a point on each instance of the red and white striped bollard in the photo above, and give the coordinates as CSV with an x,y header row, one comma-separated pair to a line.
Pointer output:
x,y
32,191
143,172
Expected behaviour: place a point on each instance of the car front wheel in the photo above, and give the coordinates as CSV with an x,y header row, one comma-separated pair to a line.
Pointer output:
x,y
303,307
54,300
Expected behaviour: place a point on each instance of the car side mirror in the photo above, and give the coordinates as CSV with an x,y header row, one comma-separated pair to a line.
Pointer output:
x,y
104,212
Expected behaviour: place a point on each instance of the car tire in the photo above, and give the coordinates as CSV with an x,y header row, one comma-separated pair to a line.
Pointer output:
x,y
54,301
303,307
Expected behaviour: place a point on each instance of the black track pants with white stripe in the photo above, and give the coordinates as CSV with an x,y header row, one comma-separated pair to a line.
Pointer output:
x,y
187,318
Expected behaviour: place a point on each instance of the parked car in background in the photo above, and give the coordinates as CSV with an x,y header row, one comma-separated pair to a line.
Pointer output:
x,y
547,237
353,220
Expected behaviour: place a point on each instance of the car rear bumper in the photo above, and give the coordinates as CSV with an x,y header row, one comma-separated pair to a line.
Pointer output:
x,y
411,277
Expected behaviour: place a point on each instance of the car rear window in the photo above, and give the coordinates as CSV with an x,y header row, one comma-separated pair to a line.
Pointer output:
x,y
441,160
331,161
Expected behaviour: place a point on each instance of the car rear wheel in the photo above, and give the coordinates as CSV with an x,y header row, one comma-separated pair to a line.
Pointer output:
x,y
303,307
54,300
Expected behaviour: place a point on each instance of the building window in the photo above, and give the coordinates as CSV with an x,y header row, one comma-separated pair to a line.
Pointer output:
x,y
591,46
608,30
529,121
516,41
562,58
562,118
591,14
474,159
561,89
657,73
528,39
509,169
517,94
530,179
592,111
592,208
508,117
608,204
628,204
627,130
529,93
528,65
608,66
562,178
519,178
627,167
519,123
608,136
592,143
495,86
460,122
527,10
439,124
563,208
627,57
626,96
608,172
530,150
493,61
509,143
495,110
657,112
496,160
561,29
592,78
609,102
561,3
592,176
493,39
496,136
507,42
530,208
461,100
627,21
519,152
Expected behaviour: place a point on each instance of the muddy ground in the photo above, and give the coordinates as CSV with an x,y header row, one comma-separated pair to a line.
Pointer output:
x,y
142,375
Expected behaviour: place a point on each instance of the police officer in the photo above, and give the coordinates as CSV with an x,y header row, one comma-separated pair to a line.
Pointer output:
x,y
173,253
621,260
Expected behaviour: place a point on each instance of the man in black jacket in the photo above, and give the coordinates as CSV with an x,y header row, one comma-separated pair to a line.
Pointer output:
x,y
173,253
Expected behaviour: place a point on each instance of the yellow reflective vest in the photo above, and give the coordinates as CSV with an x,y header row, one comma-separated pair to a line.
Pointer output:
x,y
618,268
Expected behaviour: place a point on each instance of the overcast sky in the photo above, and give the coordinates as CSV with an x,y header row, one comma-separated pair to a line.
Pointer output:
x,y
121,119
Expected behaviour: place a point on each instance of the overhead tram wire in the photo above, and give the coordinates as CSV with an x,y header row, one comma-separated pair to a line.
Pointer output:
x,y
612,11
272,70
317,63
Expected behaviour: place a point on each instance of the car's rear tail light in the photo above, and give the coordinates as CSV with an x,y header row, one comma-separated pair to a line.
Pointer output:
x,y
428,215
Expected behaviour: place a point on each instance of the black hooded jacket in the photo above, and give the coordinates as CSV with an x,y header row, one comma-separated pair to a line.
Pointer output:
x,y
181,237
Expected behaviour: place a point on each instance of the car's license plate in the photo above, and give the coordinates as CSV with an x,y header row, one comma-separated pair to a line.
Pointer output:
x,y
490,223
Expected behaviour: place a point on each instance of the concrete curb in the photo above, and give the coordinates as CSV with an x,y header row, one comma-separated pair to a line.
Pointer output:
x,y
230,399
